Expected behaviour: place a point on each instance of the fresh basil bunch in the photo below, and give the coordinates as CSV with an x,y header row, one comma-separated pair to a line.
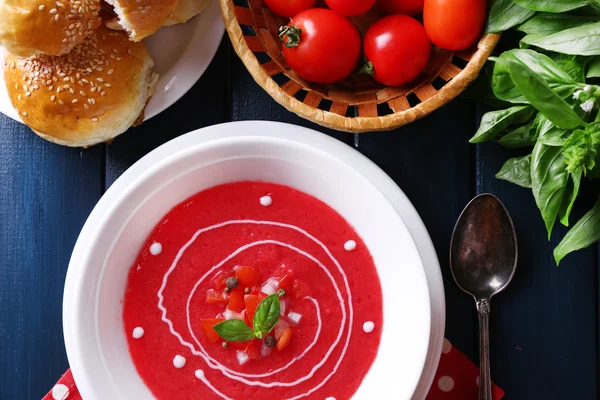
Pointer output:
x,y
551,83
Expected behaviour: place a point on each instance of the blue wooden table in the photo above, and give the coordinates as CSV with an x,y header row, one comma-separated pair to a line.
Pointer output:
x,y
544,327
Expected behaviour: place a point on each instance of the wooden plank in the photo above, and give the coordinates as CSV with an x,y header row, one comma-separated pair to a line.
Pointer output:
x,y
205,104
430,160
544,327
47,193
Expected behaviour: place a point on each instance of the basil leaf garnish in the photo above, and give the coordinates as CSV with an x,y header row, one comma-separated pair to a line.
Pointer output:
x,y
504,14
584,233
517,170
266,315
583,40
234,330
495,122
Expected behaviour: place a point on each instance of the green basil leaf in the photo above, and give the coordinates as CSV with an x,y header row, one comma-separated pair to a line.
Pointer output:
x,y
523,136
551,135
234,330
582,40
593,68
266,315
557,79
572,65
553,6
570,196
584,233
517,170
547,23
548,181
495,122
539,94
504,14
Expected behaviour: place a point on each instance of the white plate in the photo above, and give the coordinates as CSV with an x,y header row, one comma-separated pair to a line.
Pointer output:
x,y
100,363
181,54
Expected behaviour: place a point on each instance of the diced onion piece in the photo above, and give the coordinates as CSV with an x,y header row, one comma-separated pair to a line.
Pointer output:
x,y
265,351
229,314
270,287
242,357
294,318
281,326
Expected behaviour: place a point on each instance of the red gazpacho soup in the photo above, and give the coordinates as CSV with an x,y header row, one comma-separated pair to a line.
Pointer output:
x,y
253,290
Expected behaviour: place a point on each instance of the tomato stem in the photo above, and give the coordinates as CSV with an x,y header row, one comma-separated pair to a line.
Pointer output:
x,y
290,35
367,68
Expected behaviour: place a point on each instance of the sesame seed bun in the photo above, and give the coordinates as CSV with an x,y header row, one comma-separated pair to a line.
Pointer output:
x,y
187,9
31,27
141,18
88,96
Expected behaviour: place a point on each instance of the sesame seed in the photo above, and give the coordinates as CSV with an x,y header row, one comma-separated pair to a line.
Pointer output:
x,y
53,11
115,50
81,92
41,8
24,113
74,101
110,71
27,94
56,17
61,102
53,98
86,106
107,85
95,119
72,91
51,88
103,94
100,79
19,97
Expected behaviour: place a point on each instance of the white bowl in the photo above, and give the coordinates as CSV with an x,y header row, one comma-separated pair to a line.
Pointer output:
x,y
111,239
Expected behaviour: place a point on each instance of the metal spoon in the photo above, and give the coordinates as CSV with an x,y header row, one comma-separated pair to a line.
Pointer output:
x,y
483,259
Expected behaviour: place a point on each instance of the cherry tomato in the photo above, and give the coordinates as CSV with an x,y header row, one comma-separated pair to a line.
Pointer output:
x,y
397,48
251,302
454,24
285,339
236,300
321,46
350,8
289,8
407,7
216,297
247,276
207,326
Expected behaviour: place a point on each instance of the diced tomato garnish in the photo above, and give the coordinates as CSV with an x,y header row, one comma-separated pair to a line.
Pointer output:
x,y
301,289
216,297
238,345
262,296
281,326
287,283
251,302
255,290
241,316
219,279
236,300
285,339
253,349
247,276
207,325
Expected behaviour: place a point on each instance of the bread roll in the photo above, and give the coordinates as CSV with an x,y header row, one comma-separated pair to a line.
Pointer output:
x,y
187,9
31,27
141,18
88,96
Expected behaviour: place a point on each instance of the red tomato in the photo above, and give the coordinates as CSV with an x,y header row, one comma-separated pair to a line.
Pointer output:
x,y
219,279
251,302
253,349
289,8
454,24
287,283
407,7
397,48
216,297
350,8
285,339
321,46
236,300
247,276
207,326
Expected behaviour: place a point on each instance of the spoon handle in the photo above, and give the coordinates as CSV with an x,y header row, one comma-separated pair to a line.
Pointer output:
x,y
485,384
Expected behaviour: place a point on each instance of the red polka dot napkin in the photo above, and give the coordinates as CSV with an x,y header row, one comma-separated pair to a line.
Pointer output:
x,y
457,378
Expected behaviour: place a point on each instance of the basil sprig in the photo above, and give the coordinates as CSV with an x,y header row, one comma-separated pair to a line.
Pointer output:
x,y
266,317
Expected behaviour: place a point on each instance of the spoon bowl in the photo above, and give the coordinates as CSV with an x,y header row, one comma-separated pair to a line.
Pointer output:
x,y
483,260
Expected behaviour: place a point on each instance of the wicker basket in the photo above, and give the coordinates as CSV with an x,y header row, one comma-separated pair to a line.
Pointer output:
x,y
357,104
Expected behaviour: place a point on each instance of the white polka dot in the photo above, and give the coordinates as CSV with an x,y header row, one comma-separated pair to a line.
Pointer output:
x,y
138,332
446,347
446,384
477,381
350,245
60,392
199,374
178,361
155,248
266,201
368,326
